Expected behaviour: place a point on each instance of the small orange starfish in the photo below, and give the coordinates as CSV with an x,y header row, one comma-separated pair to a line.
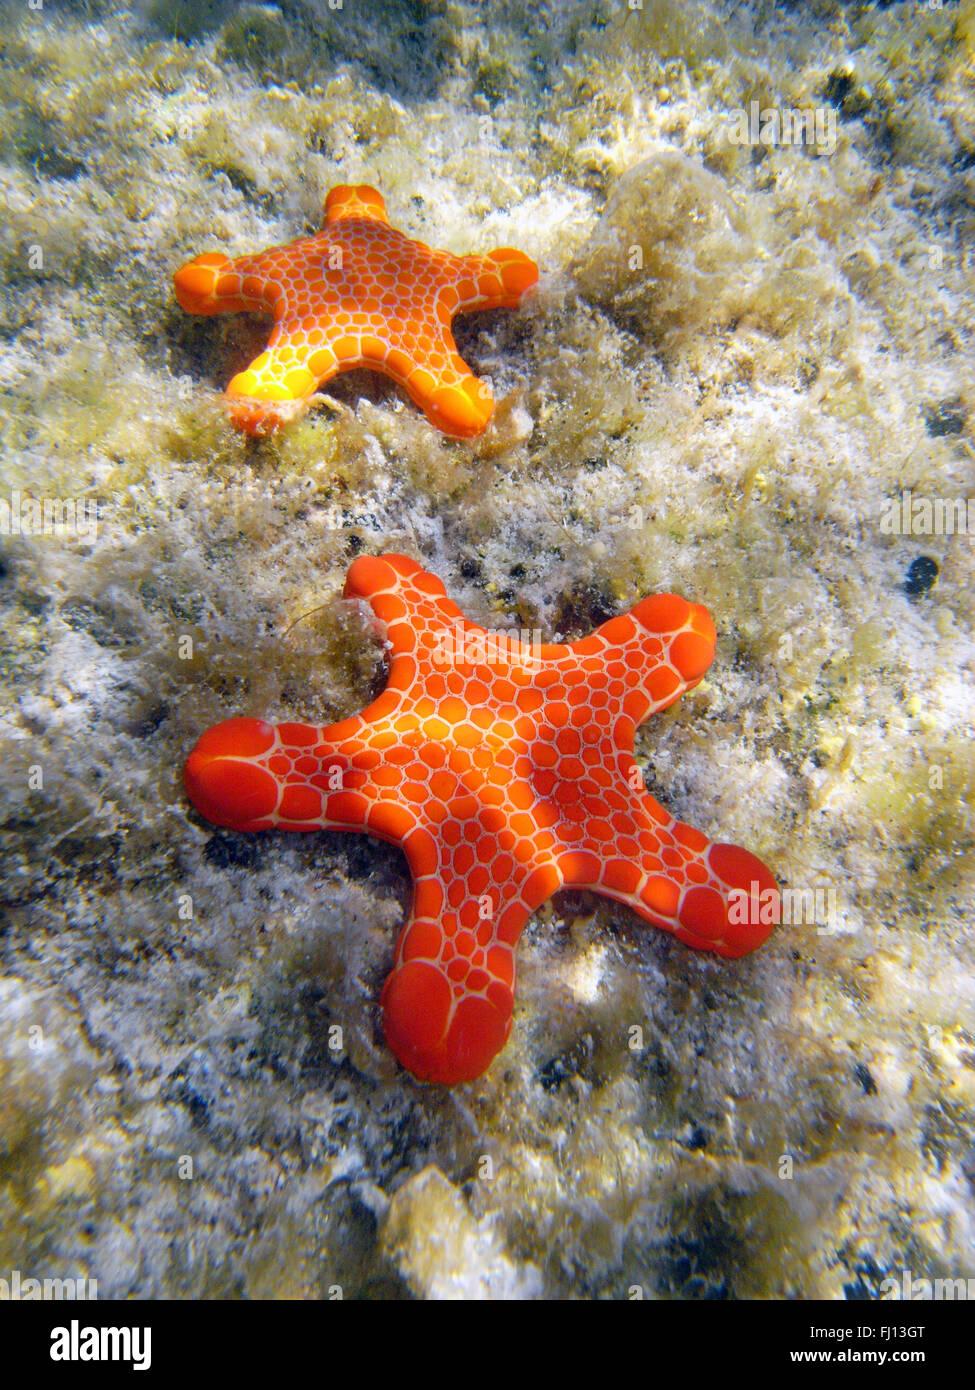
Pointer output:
x,y
358,294
506,772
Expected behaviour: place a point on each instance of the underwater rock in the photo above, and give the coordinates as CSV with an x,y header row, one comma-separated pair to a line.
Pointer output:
x,y
667,254
44,1061
443,1253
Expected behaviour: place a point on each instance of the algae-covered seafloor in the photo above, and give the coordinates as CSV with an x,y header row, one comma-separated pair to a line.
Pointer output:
x,y
741,354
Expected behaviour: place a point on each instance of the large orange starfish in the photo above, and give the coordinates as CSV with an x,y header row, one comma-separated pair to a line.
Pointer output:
x,y
506,772
358,294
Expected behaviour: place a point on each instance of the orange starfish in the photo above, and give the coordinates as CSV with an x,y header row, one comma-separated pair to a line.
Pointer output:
x,y
358,294
506,772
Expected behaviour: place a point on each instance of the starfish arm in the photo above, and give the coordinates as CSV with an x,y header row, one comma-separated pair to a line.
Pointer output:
x,y
413,607
448,1002
215,284
246,774
423,359
498,280
648,657
714,897
442,384
279,383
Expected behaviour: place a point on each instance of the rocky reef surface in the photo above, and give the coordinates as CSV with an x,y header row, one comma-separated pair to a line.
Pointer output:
x,y
741,356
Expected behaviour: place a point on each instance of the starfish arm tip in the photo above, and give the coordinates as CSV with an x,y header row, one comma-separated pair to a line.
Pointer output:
x,y
372,574
274,390
518,273
461,409
347,200
729,906
224,783
201,286
440,1031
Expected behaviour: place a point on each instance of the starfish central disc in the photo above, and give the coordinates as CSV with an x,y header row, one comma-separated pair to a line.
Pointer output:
x,y
506,772
358,294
